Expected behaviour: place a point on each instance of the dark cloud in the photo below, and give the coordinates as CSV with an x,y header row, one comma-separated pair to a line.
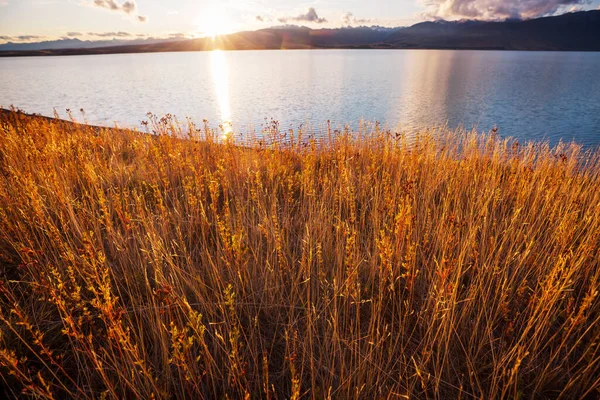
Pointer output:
x,y
349,19
74,34
5,38
497,9
142,18
310,16
110,34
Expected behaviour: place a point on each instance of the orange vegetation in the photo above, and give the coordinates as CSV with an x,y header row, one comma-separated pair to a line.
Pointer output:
x,y
362,265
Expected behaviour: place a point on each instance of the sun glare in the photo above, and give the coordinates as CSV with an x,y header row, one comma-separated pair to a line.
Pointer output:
x,y
220,72
213,22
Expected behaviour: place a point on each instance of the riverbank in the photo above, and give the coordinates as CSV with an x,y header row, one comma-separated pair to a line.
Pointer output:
x,y
139,266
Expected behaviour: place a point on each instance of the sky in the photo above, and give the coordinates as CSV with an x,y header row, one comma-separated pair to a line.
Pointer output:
x,y
39,20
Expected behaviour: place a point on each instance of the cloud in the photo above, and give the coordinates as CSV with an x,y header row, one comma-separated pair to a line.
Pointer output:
x,y
22,38
497,9
349,19
178,36
110,34
264,18
74,34
27,38
310,16
128,7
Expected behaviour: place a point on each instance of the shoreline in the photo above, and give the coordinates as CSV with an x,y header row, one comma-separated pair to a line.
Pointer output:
x,y
109,51
6,114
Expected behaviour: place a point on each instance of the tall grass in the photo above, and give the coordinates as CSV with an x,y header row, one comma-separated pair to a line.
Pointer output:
x,y
364,265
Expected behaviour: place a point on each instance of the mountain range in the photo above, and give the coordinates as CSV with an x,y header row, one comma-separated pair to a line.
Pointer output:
x,y
579,31
75,43
572,31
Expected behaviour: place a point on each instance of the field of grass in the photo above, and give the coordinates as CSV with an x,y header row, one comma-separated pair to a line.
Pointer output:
x,y
362,265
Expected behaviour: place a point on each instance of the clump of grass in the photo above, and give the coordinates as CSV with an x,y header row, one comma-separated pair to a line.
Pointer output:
x,y
363,265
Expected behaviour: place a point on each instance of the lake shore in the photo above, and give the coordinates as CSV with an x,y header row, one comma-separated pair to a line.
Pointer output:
x,y
16,116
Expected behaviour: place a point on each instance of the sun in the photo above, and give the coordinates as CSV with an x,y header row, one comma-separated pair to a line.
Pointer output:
x,y
213,22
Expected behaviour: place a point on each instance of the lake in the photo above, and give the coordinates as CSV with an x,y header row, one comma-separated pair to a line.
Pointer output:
x,y
529,95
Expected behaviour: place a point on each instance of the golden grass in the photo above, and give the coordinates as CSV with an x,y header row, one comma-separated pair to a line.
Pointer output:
x,y
454,265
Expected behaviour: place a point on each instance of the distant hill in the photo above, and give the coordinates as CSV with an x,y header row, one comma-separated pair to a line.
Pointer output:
x,y
573,31
297,38
78,44
286,37
578,31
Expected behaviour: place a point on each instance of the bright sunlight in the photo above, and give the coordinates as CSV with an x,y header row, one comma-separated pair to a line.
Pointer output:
x,y
213,22
220,73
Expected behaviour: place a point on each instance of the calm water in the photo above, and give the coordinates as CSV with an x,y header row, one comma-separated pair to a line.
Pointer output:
x,y
530,95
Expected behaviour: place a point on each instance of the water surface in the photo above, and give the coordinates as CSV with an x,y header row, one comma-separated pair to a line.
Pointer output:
x,y
530,95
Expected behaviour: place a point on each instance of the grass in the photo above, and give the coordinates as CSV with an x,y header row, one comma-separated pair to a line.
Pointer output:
x,y
362,265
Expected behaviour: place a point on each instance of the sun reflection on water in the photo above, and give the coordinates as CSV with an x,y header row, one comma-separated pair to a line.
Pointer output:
x,y
220,73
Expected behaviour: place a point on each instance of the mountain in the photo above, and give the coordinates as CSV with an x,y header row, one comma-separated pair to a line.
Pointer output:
x,y
578,31
302,37
572,31
78,44
288,37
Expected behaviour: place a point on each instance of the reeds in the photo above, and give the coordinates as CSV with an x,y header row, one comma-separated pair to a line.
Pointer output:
x,y
450,265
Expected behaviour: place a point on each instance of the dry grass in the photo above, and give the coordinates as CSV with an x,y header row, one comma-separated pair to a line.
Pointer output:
x,y
361,266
